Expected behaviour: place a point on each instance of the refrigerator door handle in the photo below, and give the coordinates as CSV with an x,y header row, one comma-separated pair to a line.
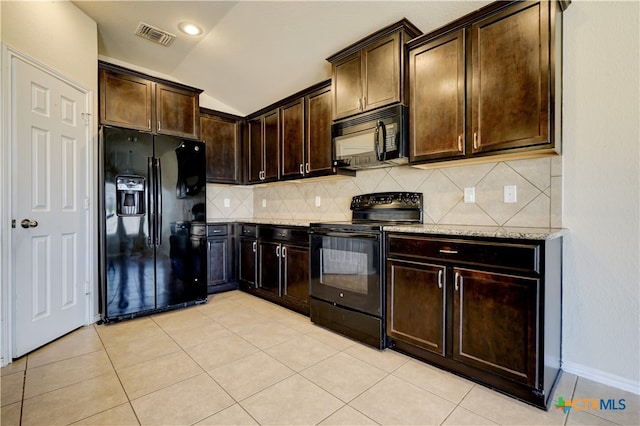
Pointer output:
x,y
150,202
158,180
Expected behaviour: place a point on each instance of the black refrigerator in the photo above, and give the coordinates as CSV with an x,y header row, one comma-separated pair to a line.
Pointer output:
x,y
152,223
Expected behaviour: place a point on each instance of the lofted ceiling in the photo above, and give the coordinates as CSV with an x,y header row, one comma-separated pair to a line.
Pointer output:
x,y
251,53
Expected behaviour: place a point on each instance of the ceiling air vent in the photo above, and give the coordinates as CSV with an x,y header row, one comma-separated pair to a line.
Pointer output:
x,y
155,34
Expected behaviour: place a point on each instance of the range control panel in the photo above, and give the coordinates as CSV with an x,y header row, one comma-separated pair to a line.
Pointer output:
x,y
387,200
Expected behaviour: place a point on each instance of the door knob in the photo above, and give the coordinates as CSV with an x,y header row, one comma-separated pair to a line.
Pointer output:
x,y
28,223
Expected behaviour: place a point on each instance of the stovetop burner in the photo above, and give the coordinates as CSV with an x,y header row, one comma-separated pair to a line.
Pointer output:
x,y
373,211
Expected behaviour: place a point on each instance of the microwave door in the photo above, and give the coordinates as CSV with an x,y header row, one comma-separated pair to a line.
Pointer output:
x,y
354,144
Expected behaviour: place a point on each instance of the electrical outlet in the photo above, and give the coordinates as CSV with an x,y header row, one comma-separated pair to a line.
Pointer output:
x,y
510,194
227,202
470,195
318,201
264,203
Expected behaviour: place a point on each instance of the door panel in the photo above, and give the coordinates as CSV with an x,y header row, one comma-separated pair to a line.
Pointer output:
x,y
51,251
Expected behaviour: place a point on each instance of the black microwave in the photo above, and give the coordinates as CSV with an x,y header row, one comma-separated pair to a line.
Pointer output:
x,y
375,139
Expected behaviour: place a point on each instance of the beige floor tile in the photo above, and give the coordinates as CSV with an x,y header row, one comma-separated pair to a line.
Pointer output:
x,y
344,376
122,415
484,402
630,415
82,341
192,336
147,377
298,322
16,366
301,352
348,416
59,374
434,380
239,319
583,418
463,417
293,401
393,401
139,351
127,331
332,339
234,415
183,403
217,352
10,414
12,386
386,360
180,319
250,375
74,402
267,334
222,308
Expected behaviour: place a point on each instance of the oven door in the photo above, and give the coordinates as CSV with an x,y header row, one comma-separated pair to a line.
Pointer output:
x,y
346,269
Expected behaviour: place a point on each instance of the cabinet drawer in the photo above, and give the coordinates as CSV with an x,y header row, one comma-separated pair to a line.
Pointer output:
x,y
216,230
290,235
513,256
248,231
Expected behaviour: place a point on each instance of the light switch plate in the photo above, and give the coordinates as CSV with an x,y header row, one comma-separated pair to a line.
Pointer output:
x,y
318,201
264,203
470,195
510,194
227,202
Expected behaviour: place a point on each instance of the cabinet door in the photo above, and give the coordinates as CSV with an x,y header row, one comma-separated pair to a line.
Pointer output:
x,y
347,86
247,261
255,150
178,112
510,86
217,271
269,267
318,122
437,98
293,139
295,274
416,299
495,323
381,65
222,137
125,100
271,145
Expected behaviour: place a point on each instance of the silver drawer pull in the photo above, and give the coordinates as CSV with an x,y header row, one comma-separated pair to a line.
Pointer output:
x,y
448,251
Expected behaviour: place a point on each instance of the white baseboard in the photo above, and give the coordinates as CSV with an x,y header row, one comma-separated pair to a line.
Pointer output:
x,y
601,377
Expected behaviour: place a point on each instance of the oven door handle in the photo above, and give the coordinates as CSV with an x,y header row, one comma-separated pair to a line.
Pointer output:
x,y
346,234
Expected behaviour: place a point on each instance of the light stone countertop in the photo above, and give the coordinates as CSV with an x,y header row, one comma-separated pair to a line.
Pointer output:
x,y
524,233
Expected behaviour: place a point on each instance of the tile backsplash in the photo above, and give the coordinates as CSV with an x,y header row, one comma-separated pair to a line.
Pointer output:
x,y
538,197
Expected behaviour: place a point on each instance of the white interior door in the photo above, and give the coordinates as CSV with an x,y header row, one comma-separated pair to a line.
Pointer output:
x,y
50,205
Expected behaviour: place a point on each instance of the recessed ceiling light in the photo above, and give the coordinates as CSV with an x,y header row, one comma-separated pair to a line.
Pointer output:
x,y
189,28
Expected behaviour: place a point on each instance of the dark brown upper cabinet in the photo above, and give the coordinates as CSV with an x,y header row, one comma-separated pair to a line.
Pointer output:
x,y
318,119
264,147
222,134
137,101
489,83
371,73
292,152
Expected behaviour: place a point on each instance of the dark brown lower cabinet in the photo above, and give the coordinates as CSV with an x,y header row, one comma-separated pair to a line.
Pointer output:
x,y
280,268
220,250
247,256
487,309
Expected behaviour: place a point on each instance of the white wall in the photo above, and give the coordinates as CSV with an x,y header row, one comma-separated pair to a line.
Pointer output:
x,y
60,36
602,192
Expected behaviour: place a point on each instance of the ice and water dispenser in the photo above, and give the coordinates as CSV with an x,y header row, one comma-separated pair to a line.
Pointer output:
x,y
130,195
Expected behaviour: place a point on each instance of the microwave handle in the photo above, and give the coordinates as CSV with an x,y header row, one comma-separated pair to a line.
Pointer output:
x,y
381,154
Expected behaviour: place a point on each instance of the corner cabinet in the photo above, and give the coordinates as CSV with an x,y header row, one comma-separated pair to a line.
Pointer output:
x,y
222,134
489,309
489,83
371,73
136,101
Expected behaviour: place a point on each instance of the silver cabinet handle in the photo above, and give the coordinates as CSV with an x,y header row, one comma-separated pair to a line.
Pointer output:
x,y
364,102
448,251
460,143
440,274
475,140
458,281
158,125
28,223
284,252
255,246
301,168
306,168
278,251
